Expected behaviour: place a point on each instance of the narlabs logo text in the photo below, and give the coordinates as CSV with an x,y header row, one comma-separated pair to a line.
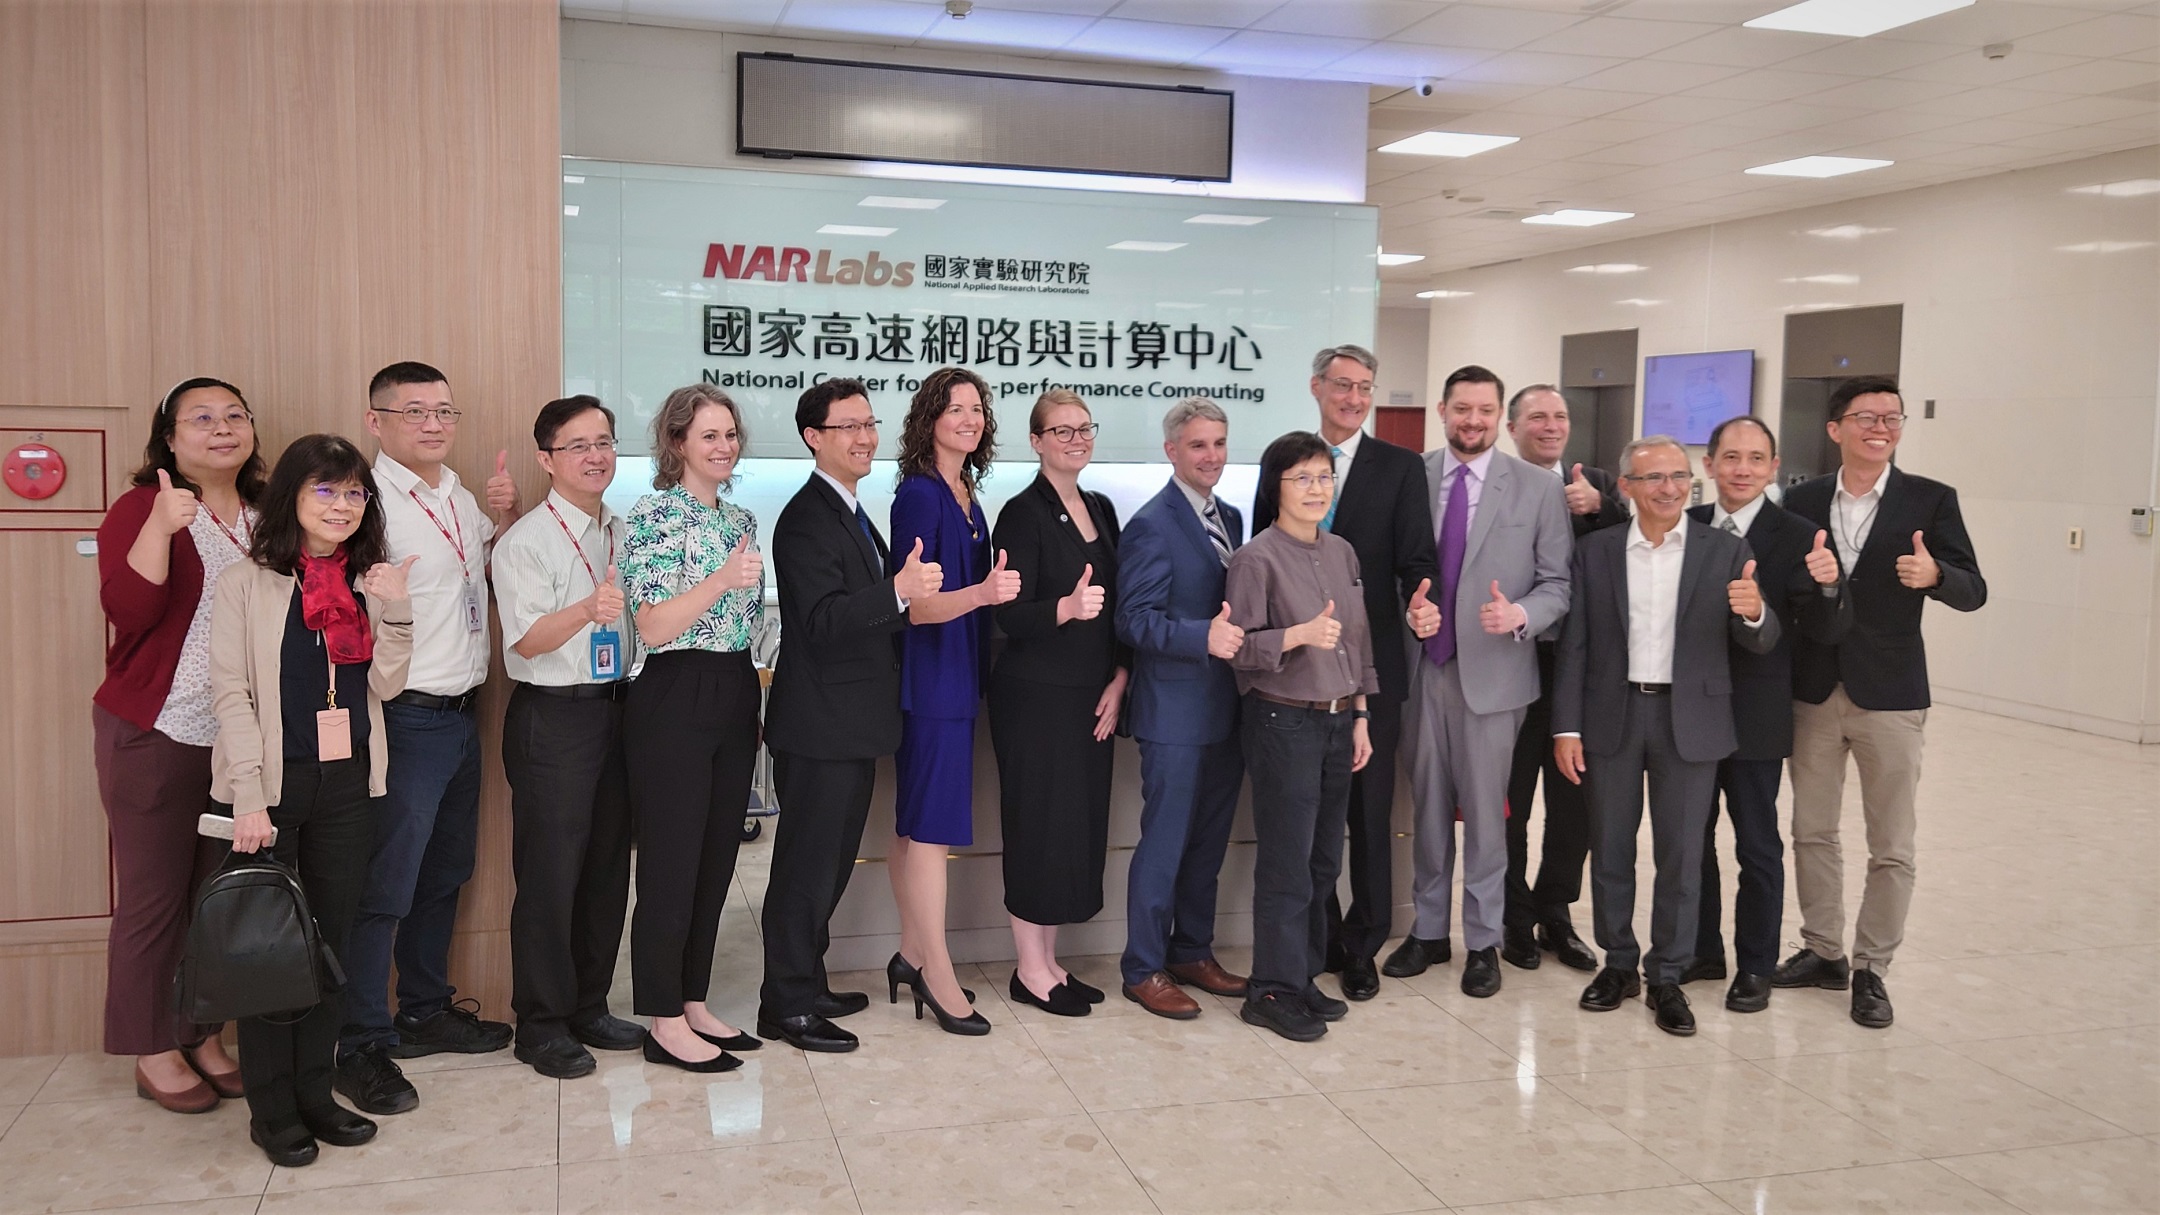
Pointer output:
x,y
790,264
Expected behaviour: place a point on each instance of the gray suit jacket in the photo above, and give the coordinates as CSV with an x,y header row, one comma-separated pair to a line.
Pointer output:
x,y
1520,538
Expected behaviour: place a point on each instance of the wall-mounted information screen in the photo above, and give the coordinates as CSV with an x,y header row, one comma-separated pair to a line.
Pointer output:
x,y
1687,395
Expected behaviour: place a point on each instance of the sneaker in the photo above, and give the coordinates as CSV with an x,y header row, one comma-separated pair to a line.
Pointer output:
x,y
457,1029
370,1079
1323,1005
1286,1015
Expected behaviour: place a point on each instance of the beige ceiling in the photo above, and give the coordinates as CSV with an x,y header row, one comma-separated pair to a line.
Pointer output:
x,y
1650,106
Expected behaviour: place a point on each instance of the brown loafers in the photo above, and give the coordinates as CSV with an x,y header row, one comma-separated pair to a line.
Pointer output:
x,y
227,1084
1209,976
1160,996
197,1098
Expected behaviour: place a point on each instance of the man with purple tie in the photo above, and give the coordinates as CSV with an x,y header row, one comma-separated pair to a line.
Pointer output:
x,y
1504,542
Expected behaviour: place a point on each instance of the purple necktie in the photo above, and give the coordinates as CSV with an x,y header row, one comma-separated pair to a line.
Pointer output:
x,y
1454,538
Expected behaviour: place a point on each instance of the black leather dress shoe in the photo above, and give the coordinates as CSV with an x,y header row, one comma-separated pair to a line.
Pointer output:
x,y
1360,979
1703,968
1414,955
1323,1005
835,1004
288,1147
1672,1010
1610,989
338,1126
607,1032
1870,1003
1286,1015
810,1031
1810,969
1519,947
563,1058
1481,973
1566,948
1748,993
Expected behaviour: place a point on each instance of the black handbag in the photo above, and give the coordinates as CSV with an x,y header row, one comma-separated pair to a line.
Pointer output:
x,y
253,949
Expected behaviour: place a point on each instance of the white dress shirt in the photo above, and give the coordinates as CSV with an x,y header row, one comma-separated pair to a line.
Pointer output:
x,y
1653,600
1199,503
449,657
1852,516
1348,447
1744,518
539,570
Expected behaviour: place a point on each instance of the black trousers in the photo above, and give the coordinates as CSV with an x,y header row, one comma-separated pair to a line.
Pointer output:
x,y
1362,930
1750,789
1567,819
691,731
326,831
1679,804
1299,760
823,806
570,854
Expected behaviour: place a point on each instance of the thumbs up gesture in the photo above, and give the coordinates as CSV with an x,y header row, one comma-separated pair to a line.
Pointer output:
x,y
918,578
1582,497
1000,585
605,604
502,494
387,582
1424,614
744,568
1821,562
1224,638
173,510
1086,600
1322,630
1918,570
1499,616
1744,596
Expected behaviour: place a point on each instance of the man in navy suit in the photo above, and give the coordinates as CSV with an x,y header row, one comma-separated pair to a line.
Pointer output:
x,y
1171,611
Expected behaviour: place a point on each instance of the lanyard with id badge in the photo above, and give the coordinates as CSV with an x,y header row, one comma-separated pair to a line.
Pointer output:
x,y
475,617
606,643
333,726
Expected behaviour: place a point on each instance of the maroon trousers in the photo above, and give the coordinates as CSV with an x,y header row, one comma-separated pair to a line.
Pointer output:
x,y
154,789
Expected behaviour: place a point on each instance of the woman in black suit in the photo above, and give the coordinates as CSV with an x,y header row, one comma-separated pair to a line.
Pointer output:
x,y
1054,700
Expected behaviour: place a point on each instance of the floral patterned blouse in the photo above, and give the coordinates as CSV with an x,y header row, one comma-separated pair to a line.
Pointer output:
x,y
675,541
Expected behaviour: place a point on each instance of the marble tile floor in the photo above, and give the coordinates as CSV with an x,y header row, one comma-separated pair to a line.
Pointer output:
x,y
2023,1075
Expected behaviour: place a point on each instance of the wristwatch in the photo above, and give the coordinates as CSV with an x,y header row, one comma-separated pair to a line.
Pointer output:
x,y
1360,714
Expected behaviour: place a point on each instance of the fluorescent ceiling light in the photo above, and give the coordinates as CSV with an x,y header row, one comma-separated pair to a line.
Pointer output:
x,y
899,203
1448,143
1828,280
570,209
2105,246
1445,295
2137,188
571,180
1571,217
1608,268
1853,18
1400,259
1149,246
1819,166
855,230
1640,303
1234,221
1848,232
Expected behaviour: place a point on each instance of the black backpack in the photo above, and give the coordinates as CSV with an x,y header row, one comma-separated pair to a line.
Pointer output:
x,y
253,949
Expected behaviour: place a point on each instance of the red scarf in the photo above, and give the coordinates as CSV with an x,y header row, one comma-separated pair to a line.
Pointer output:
x,y
327,604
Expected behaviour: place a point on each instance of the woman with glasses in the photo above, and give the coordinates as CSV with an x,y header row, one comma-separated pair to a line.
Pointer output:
x,y
1055,697
1305,669
161,550
308,639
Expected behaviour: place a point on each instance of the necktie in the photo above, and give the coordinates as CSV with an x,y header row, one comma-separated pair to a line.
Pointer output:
x,y
862,519
1454,539
1215,532
1327,521
1728,524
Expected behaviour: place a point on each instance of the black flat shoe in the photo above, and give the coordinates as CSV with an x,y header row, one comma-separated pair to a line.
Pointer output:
x,y
833,1005
338,1126
1610,989
1566,948
1810,969
973,1025
1703,968
810,1031
563,1058
1671,1008
735,1041
1360,979
608,1032
291,1147
1870,1003
1079,987
1481,973
1748,993
1518,947
656,1053
1414,956
1062,1001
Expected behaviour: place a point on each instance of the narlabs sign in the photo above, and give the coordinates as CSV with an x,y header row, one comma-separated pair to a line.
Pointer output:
x,y
788,264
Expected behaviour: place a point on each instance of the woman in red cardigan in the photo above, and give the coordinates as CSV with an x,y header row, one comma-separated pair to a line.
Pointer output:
x,y
160,551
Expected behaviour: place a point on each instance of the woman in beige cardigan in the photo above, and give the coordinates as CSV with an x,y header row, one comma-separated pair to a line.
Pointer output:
x,y
300,637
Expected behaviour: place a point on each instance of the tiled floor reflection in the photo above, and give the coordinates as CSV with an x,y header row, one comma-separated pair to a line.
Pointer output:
x,y
2023,1075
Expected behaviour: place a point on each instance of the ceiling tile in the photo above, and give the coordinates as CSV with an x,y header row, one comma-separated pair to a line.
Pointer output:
x,y
881,18
2074,139
1774,84
1794,116
1531,67
1641,152
1144,41
1619,36
756,15
2093,76
1009,30
1652,76
1974,70
1405,63
1735,47
1230,14
1364,19
1681,108
1477,25
1575,103
1882,93
1987,103
2118,34
2082,110
1992,130
1731,12
1077,8
1297,52
1870,57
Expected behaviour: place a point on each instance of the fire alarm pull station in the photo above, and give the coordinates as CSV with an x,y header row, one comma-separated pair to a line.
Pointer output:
x,y
33,471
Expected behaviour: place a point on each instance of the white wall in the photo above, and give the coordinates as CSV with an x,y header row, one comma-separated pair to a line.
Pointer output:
x,y
1400,339
2031,316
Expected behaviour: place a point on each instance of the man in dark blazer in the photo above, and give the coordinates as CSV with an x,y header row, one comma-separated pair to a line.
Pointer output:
x,y
1381,509
1800,581
1171,561
833,710
1902,542
1543,916
1644,686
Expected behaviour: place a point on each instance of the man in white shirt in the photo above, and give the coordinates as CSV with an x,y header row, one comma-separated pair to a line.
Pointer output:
x,y
428,823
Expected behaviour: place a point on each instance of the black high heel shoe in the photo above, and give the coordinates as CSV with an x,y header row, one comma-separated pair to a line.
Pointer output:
x,y
972,1025
656,1053
898,971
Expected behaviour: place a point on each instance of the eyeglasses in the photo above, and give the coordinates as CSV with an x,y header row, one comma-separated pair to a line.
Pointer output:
x,y
581,448
1066,434
414,417
1356,388
851,429
1678,480
331,495
1868,421
233,419
1305,481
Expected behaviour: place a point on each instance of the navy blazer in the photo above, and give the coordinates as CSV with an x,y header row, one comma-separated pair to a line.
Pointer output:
x,y
836,684
942,666
1170,586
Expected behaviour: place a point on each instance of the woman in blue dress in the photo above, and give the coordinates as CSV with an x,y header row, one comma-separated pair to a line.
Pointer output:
x,y
946,447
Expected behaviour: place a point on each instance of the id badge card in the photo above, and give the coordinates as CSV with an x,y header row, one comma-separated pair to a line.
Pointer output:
x,y
475,619
606,654
333,734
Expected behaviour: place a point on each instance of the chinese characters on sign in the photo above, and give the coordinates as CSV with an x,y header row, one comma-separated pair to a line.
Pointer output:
x,y
734,331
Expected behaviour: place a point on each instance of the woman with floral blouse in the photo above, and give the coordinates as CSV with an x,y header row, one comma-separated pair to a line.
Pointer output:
x,y
696,587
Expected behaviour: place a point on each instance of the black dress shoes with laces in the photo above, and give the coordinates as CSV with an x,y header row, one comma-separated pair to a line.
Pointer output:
x,y
1671,1007
606,1032
563,1058
1519,947
1703,968
1414,955
1748,993
1870,1003
457,1029
1360,979
810,1031
1810,969
1566,948
1481,973
1610,989
372,1080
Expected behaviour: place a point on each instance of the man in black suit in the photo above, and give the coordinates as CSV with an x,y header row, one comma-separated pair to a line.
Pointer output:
x,y
833,710
1644,685
1902,542
1382,508
1542,916
1800,580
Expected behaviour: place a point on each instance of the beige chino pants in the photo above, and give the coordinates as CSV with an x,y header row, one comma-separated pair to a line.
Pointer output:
x,y
1885,744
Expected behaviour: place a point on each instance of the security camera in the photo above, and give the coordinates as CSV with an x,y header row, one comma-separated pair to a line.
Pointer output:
x,y
959,9
1425,88
1997,50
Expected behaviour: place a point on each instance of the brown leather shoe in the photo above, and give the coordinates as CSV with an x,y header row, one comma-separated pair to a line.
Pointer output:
x,y
197,1098
225,1084
1160,996
1209,976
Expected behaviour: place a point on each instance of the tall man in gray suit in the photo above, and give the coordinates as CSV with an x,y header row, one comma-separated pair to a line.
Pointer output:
x,y
1504,542
1644,685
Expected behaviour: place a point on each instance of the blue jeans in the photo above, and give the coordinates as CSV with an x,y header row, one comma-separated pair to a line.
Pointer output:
x,y
1188,797
424,847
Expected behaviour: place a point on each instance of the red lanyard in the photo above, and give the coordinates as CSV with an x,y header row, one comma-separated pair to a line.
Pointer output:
x,y
581,548
239,539
457,542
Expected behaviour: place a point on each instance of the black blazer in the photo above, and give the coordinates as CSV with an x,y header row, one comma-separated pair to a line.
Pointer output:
x,y
1763,683
1386,515
836,683
1882,660
1590,680
1044,545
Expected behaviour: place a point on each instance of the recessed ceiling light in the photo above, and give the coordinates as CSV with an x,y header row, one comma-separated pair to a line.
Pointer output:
x,y
2137,188
1400,259
855,230
1828,280
1234,221
570,209
1848,232
1819,166
1448,143
1445,295
901,203
1572,217
1853,18
1149,246
1608,268
2105,246
1640,303
572,180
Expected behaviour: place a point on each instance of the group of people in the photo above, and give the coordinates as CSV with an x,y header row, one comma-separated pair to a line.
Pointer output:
x,y
1485,618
